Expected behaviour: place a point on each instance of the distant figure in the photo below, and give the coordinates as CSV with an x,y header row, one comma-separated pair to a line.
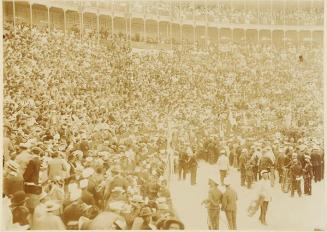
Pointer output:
x,y
223,165
264,191
229,204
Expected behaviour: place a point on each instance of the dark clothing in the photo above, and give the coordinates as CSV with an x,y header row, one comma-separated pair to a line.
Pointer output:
x,y
32,171
296,174
280,162
316,165
182,166
72,212
242,162
12,184
20,215
193,166
307,175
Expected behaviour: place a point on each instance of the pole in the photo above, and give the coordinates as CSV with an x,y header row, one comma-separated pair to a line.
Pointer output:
x,y
206,27
171,26
130,21
49,19
14,15
31,14
98,25
126,28
180,23
144,22
158,26
112,16
65,22
194,24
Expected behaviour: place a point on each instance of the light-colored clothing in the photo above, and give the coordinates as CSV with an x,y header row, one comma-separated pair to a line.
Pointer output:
x,y
223,163
265,189
23,159
48,222
57,167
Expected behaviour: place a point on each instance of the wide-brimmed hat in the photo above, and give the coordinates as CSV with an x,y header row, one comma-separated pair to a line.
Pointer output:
x,y
51,206
137,198
227,181
87,172
214,180
13,166
146,211
263,172
223,151
170,221
18,198
118,189
75,195
83,183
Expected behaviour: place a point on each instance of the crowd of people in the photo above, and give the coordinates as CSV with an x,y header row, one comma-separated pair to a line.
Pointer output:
x,y
85,142
225,13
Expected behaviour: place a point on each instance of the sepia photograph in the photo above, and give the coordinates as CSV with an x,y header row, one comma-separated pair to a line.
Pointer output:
x,y
163,115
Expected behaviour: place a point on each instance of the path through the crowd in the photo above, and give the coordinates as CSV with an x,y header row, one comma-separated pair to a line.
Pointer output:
x,y
284,212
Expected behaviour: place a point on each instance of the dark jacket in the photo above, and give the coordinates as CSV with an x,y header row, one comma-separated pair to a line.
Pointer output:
x,y
32,171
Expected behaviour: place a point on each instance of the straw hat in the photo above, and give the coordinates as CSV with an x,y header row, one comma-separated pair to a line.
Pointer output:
x,y
51,206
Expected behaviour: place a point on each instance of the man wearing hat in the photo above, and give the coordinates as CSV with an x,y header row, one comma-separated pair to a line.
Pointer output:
x,y
20,212
264,191
144,221
51,219
213,204
296,176
24,157
229,205
242,162
307,175
117,181
316,160
31,174
13,180
223,165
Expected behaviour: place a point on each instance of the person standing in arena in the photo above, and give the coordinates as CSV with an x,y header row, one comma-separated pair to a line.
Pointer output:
x,y
229,205
223,165
212,204
307,175
296,176
264,191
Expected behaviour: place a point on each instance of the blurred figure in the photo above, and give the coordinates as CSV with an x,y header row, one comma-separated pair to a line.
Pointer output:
x,y
212,204
223,165
229,200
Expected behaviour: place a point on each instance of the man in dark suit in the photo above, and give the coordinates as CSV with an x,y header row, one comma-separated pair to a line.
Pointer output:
x,y
32,171
229,204
316,164
182,169
192,165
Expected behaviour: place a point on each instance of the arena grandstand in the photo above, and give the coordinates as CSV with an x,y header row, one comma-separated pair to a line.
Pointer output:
x,y
173,23
115,111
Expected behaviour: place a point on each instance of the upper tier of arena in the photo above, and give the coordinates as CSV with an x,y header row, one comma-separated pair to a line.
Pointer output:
x,y
179,21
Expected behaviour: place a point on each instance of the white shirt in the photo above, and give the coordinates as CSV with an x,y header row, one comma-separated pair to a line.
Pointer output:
x,y
265,189
223,162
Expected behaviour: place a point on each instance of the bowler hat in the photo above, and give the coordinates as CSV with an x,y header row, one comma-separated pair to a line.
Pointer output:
x,y
18,198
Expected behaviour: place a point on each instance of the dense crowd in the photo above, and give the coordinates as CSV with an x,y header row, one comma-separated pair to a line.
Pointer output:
x,y
224,13
86,125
